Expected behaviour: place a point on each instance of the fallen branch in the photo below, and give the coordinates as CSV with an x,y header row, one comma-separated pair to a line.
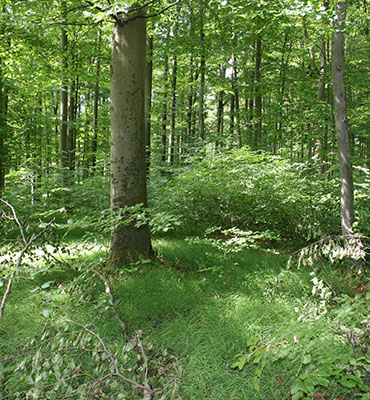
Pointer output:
x,y
109,293
148,392
27,244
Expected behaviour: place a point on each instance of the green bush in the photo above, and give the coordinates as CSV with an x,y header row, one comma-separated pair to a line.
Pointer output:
x,y
251,191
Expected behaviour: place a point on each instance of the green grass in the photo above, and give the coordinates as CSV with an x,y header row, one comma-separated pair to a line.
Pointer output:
x,y
190,307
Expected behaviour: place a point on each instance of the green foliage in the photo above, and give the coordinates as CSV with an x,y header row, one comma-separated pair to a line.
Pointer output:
x,y
253,191
329,353
70,359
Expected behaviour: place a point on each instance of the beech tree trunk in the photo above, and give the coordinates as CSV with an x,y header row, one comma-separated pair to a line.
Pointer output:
x,y
341,121
148,98
129,243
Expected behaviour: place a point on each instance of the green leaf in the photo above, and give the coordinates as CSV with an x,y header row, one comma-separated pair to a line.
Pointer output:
x,y
297,396
46,312
306,359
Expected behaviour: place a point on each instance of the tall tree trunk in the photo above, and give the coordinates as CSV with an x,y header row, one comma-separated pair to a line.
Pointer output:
x,y
148,97
202,73
321,97
189,113
341,121
3,126
72,126
171,136
257,93
64,108
220,109
129,242
164,113
94,142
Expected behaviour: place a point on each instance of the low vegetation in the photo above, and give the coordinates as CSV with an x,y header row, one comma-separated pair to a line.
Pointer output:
x,y
233,307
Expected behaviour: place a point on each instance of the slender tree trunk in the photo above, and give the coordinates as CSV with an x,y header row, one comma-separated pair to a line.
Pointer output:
x,y
64,109
321,97
164,113
72,126
257,93
202,74
129,242
234,83
148,97
94,142
171,136
3,126
341,121
189,114
220,109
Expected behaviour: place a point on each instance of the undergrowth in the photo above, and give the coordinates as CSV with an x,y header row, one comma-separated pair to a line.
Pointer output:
x,y
265,332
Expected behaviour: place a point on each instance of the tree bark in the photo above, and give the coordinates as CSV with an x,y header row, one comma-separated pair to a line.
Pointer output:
x,y
148,98
341,121
129,242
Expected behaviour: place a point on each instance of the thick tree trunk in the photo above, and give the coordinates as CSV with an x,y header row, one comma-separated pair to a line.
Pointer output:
x,y
129,243
341,121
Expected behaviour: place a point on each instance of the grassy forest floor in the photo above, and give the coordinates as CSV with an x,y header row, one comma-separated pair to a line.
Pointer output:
x,y
245,327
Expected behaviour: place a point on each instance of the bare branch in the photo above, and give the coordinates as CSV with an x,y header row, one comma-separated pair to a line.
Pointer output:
x,y
27,244
109,293
116,372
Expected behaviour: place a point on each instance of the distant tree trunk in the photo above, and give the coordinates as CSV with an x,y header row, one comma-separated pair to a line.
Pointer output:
x,y
171,136
321,96
3,126
64,109
189,113
257,93
148,97
202,73
164,113
341,121
234,84
94,142
72,126
129,243
232,115
220,109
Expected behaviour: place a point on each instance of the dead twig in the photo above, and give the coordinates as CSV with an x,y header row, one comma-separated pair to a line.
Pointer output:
x,y
27,244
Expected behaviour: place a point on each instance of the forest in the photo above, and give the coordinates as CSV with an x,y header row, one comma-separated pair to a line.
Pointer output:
x,y
184,199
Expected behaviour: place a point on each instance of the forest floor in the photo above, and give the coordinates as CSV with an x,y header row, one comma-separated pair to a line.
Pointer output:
x,y
200,314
